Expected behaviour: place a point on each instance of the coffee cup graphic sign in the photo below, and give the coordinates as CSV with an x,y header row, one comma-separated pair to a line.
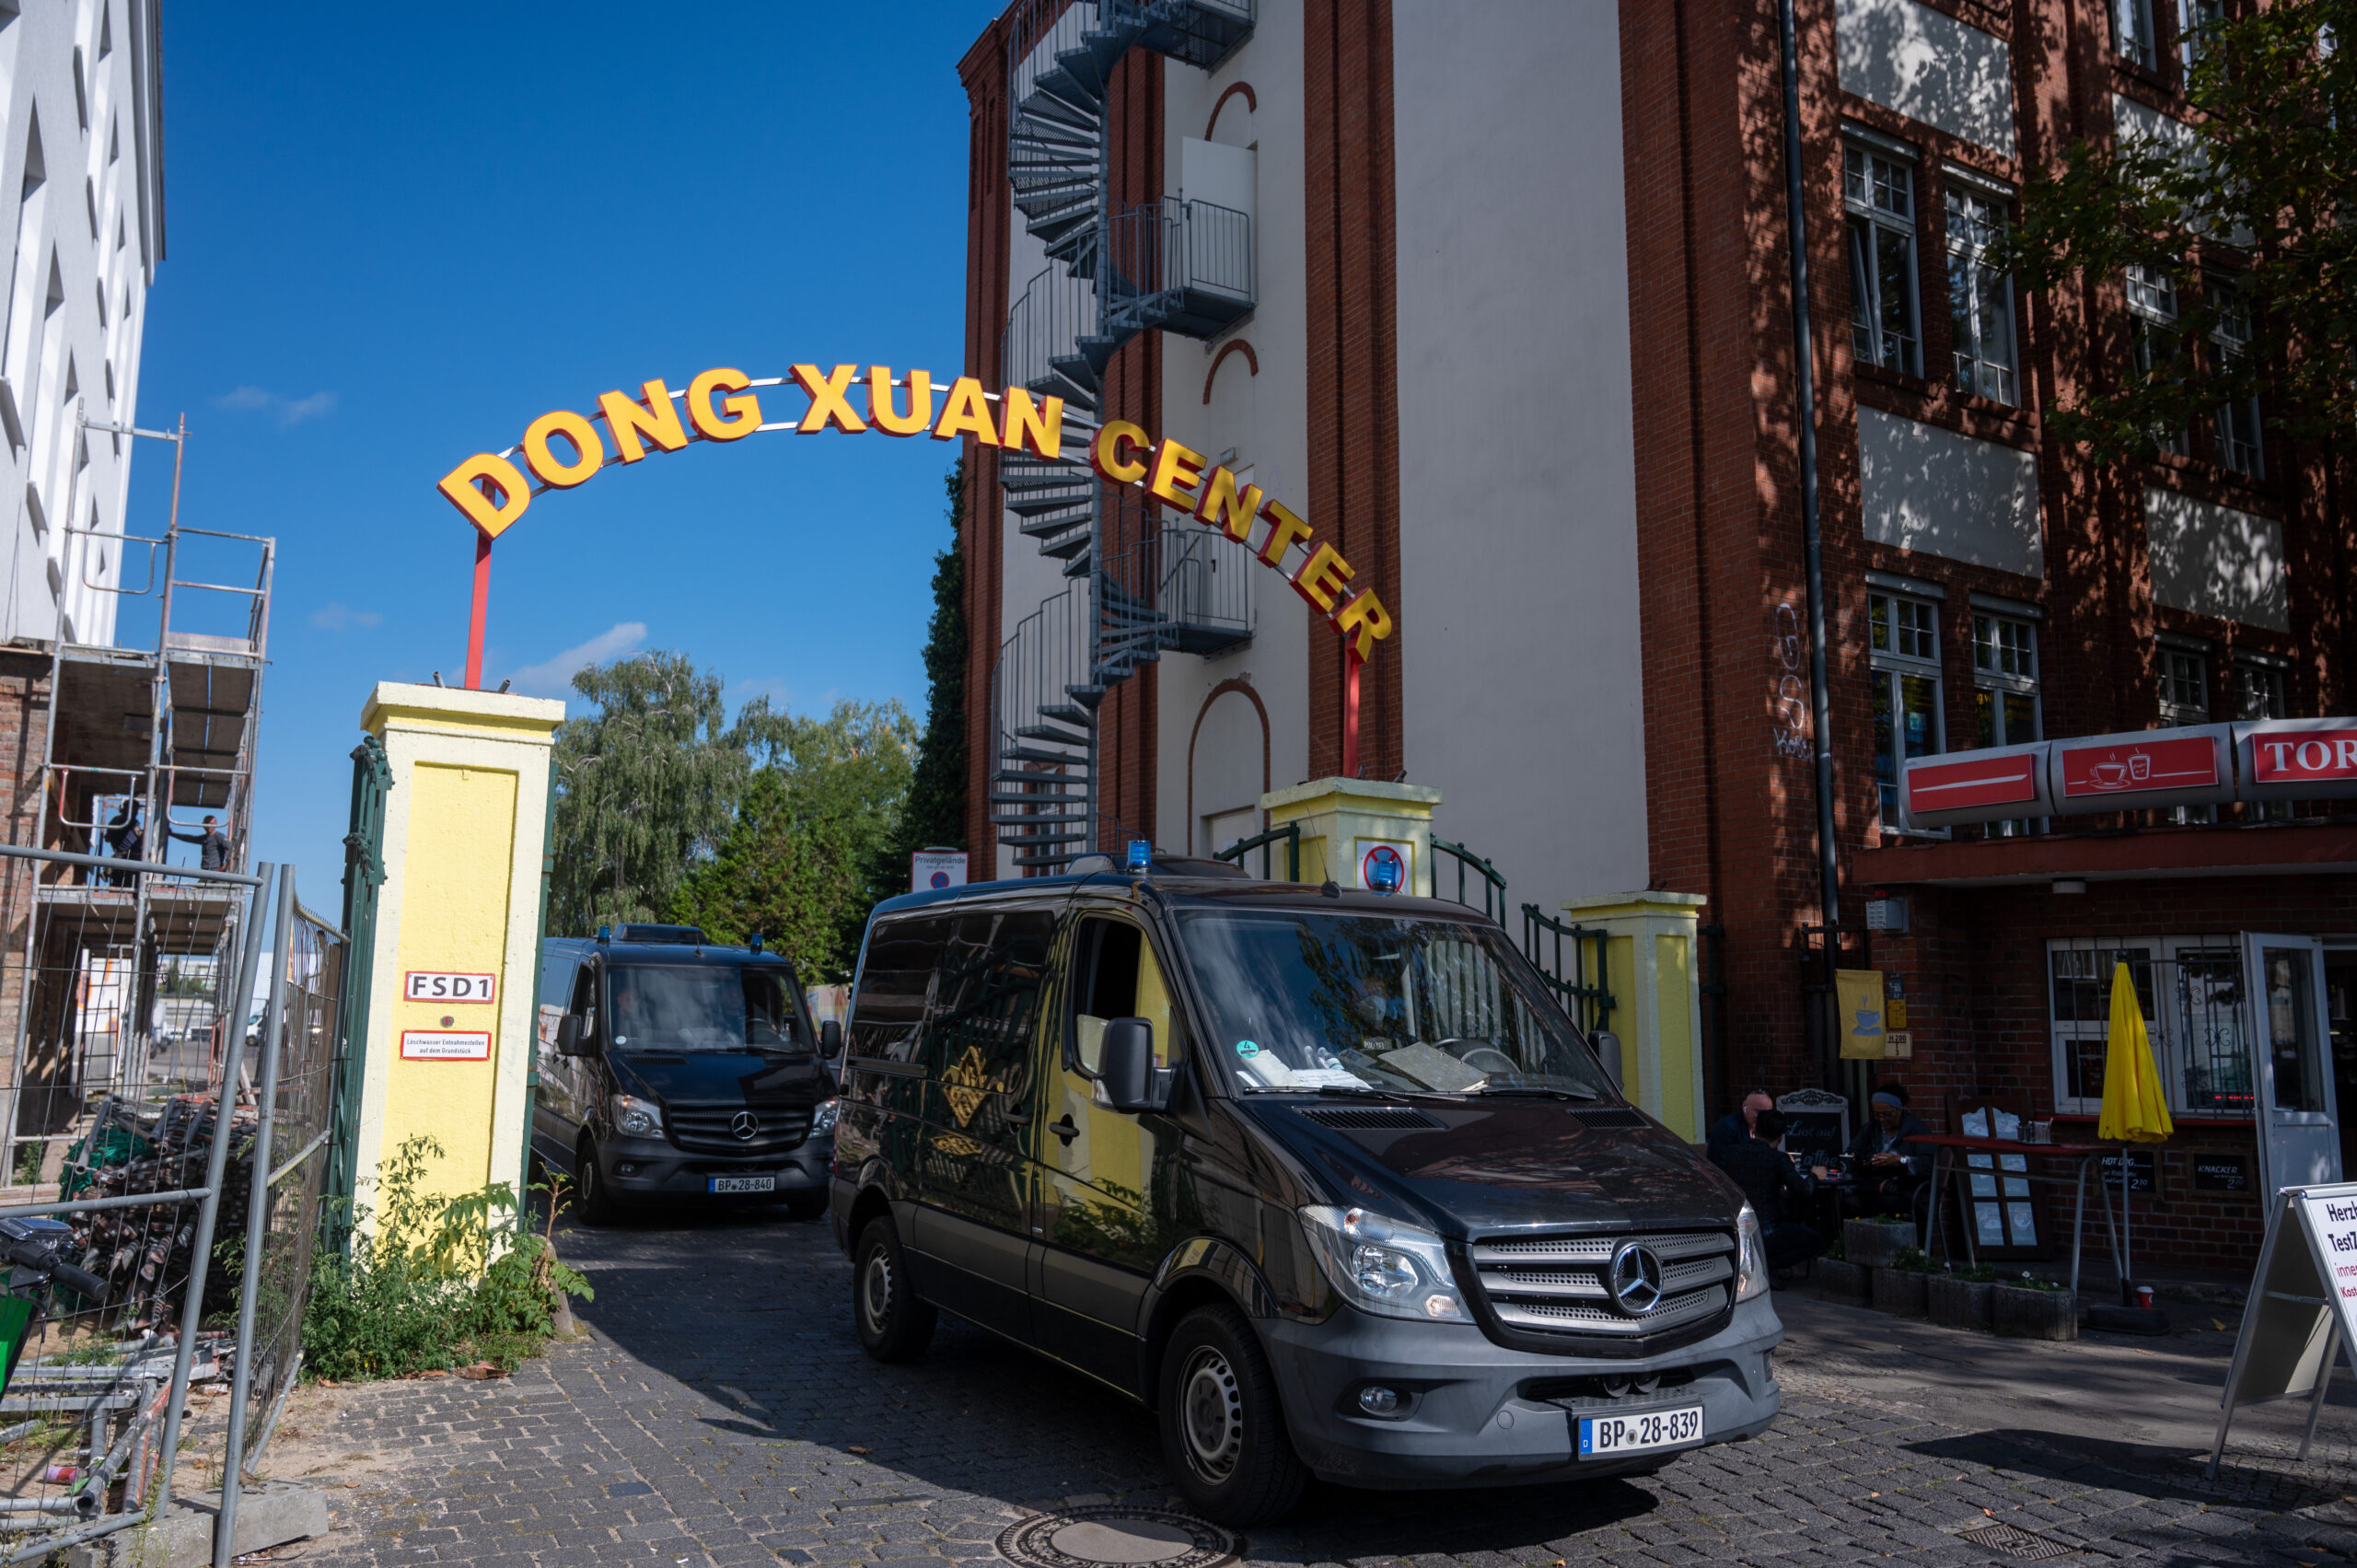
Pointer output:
x,y
2159,767
1383,869
1859,995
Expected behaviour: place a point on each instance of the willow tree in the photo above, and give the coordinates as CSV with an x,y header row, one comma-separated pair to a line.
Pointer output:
x,y
647,782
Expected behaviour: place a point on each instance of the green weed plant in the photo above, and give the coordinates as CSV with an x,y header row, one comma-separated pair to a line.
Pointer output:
x,y
437,1285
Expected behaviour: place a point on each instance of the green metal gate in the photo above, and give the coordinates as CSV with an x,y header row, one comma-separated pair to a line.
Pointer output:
x,y
364,874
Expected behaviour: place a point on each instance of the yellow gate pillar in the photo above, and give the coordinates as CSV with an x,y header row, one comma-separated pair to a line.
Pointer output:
x,y
451,1040
1653,970
1353,828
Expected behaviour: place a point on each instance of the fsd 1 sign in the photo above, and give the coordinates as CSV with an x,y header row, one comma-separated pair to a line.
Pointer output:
x,y
437,985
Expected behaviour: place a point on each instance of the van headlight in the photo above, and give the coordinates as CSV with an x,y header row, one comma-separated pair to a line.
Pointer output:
x,y
1751,1257
1384,1266
822,1120
636,1118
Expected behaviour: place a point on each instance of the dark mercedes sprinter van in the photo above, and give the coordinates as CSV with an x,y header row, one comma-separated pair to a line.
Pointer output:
x,y
674,1072
1326,1180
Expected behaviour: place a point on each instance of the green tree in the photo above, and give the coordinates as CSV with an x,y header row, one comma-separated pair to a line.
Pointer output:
x,y
936,810
646,783
814,843
2248,219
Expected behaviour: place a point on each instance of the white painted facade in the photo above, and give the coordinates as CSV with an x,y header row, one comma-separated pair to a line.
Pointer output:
x,y
81,122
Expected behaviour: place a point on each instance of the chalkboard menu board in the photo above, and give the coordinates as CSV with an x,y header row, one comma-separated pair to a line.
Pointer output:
x,y
1817,1126
2222,1173
2143,1170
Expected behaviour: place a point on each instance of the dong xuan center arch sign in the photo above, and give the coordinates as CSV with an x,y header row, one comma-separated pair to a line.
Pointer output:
x,y
564,449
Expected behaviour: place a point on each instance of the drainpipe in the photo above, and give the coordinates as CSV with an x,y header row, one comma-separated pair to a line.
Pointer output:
x,y
1828,871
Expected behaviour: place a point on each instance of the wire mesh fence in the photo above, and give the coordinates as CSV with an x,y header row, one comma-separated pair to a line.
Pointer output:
x,y
141,1092
304,1085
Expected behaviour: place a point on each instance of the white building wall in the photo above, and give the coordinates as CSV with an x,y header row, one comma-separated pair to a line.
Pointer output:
x,y
1518,619
1265,418
81,194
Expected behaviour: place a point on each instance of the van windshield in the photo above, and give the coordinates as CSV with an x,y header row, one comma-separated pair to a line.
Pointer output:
x,y
1303,1003
703,1007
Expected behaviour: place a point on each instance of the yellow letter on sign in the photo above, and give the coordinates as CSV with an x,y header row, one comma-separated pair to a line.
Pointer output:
x,y
655,418
879,401
1106,453
490,490
1365,613
1032,427
1224,506
744,410
968,413
830,403
1283,528
588,452
1322,576
1177,472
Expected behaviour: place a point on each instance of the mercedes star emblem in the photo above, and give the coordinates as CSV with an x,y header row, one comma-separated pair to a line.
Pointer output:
x,y
745,1125
1634,1279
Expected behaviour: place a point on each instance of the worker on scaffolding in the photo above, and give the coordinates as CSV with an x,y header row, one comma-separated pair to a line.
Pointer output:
x,y
212,845
126,839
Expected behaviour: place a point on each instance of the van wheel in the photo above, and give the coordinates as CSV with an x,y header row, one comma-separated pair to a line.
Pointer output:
x,y
893,1324
592,1201
1223,1431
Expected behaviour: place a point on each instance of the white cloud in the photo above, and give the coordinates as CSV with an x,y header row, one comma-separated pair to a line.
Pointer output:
x,y
554,678
343,618
290,411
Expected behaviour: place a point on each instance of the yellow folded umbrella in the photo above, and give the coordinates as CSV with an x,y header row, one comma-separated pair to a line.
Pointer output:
x,y
2135,1110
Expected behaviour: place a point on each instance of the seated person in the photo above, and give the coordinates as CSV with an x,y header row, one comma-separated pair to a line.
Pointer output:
x,y
1888,1169
1735,1128
1779,1193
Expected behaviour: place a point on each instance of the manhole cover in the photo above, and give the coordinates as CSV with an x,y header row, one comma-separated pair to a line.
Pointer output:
x,y
1116,1534
2015,1542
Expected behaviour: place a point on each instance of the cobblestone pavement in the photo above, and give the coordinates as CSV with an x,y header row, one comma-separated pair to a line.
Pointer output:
x,y
723,1415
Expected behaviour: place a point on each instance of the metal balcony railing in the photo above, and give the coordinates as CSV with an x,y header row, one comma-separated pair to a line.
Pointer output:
x,y
1048,333
1183,266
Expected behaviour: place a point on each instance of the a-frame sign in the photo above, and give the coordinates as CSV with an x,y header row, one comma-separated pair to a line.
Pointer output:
x,y
2303,1307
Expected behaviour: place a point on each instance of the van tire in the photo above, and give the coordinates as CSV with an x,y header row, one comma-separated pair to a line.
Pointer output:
x,y
1222,1429
893,1324
593,1203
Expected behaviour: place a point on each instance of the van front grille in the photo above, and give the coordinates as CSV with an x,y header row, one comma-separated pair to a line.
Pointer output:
x,y
715,1129
1559,1286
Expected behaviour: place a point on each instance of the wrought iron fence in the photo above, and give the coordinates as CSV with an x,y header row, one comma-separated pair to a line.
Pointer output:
x,y
1288,834
1570,959
1489,885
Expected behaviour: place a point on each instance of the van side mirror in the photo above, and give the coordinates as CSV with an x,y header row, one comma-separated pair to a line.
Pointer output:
x,y
1607,1051
1125,1066
831,1038
568,1036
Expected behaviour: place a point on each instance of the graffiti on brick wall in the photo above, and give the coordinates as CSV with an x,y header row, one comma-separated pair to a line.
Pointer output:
x,y
1789,724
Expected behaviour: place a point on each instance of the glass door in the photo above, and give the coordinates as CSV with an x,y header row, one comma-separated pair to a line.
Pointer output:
x,y
2298,1139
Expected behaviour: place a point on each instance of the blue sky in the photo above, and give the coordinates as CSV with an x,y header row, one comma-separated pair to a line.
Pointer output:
x,y
395,236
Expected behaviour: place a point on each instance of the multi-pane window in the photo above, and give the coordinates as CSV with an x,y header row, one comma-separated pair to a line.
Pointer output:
x,y
2258,690
2190,991
1879,191
2185,686
2237,421
2152,325
2260,695
1905,655
2195,18
1981,299
2131,33
2005,691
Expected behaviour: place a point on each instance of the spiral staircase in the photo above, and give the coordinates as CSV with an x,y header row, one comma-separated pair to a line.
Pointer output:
x,y
1138,587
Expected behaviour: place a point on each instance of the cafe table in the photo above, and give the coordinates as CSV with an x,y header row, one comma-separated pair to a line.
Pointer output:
x,y
2080,1158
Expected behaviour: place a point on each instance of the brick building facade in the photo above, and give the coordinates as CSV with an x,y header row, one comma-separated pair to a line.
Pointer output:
x,y
1521,336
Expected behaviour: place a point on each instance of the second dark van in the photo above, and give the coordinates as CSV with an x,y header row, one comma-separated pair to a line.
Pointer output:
x,y
1326,1180
675,1072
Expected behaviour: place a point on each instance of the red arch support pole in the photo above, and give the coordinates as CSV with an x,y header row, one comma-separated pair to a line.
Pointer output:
x,y
1350,663
483,607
